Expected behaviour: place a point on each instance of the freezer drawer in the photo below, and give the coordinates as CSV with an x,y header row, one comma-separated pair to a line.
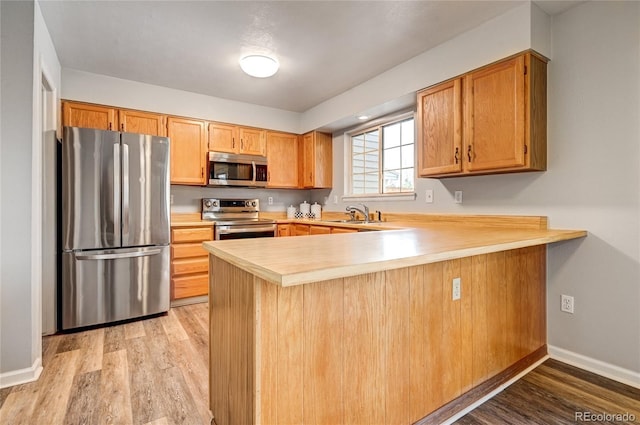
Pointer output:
x,y
110,285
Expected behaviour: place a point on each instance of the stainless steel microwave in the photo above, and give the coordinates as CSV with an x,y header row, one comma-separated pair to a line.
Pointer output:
x,y
227,169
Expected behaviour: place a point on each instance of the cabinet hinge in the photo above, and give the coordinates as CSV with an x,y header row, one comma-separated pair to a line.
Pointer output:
x,y
525,70
525,149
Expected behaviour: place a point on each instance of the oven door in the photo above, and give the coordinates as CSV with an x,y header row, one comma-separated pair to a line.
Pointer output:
x,y
244,231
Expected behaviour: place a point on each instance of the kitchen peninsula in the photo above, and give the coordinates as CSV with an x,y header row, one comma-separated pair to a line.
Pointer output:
x,y
393,326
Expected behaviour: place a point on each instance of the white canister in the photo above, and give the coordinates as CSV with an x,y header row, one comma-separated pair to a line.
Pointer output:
x,y
291,212
316,211
305,208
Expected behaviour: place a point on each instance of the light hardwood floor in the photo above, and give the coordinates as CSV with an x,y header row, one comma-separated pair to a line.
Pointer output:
x,y
155,371
152,371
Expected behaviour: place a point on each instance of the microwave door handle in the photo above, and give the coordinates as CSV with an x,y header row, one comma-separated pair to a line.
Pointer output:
x,y
253,164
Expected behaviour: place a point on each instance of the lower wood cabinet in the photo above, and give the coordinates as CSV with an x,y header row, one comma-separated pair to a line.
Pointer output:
x,y
284,229
300,230
319,230
343,230
189,261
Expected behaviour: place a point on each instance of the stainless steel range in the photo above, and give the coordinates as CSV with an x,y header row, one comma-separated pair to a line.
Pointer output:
x,y
237,218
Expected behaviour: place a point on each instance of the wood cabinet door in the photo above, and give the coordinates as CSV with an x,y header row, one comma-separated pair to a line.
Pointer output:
x,y
323,168
75,114
252,141
284,230
319,230
343,230
188,151
494,116
307,163
282,159
300,230
142,122
223,138
440,129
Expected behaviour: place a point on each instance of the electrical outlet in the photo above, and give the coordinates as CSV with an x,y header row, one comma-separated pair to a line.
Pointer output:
x,y
566,304
456,288
457,196
270,200
428,196
335,199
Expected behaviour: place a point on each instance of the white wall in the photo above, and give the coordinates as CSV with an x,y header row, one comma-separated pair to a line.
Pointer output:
x,y
592,183
94,88
16,322
495,39
26,47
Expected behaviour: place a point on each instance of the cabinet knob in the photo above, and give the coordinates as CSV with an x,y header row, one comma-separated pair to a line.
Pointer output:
x,y
109,126
469,153
233,142
456,155
122,126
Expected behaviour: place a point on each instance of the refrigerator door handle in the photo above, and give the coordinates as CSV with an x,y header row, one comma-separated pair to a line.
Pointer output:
x,y
116,256
116,189
125,191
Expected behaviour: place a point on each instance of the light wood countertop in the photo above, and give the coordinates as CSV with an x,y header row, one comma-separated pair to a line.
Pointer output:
x,y
290,261
189,220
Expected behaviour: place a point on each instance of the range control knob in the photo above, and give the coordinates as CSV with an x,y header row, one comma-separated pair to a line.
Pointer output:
x,y
208,203
247,203
215,202
254,203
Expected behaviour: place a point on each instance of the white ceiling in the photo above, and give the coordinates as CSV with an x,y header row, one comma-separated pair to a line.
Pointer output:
x,y
324,47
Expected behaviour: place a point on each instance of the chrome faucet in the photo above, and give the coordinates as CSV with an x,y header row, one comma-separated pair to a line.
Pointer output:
x,y
364,211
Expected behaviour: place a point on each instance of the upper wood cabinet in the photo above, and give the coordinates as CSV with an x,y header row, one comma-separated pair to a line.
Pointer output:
x,y
440,128
503,126
316,159
77,114
188,151
282,159
235,139
142,122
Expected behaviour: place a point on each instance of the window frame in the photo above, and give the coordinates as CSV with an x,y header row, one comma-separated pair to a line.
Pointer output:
x,y
378,124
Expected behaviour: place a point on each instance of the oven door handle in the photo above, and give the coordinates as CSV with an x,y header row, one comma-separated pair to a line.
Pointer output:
x,y
250,229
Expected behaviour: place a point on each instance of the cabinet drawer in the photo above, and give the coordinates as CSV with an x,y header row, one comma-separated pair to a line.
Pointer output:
x,y
319,230
190,265
189,286
188,250
191,234
343,230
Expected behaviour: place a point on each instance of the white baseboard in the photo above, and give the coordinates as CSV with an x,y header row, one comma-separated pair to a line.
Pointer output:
x,y
493,393
598,367
21,376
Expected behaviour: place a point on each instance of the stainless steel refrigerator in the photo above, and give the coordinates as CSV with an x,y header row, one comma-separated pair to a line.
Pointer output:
x,y
115,226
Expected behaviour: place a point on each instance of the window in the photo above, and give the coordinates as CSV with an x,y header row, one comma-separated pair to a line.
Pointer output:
x,y
382,159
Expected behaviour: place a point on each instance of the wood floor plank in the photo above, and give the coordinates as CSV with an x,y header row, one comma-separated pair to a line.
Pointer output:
x,y
144,383
92,346
178,401
115,405
134,329
161,421
18,407
55,388
172,327
82,407
4,393
114,339
198,335
158,343
195,374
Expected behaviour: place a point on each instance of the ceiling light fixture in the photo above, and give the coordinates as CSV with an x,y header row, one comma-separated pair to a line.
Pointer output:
x,y
363,117
259,65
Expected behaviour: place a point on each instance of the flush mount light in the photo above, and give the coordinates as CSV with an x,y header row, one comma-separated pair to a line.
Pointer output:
x,y
259,65
363,117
